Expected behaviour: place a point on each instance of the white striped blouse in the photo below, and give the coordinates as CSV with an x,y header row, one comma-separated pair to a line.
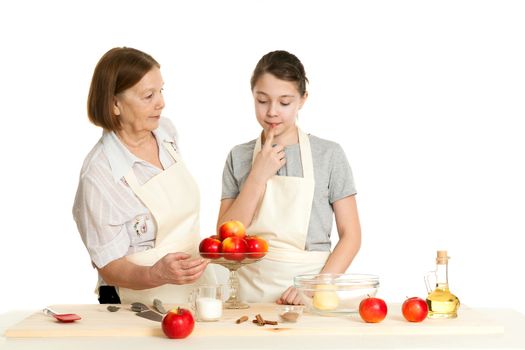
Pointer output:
x,y
111,220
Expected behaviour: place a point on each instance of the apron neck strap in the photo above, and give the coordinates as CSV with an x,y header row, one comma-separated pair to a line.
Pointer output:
x,y
130,177
306,153
170,147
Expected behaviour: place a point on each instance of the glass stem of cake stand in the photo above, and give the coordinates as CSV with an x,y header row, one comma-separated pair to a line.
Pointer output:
x,y
233,301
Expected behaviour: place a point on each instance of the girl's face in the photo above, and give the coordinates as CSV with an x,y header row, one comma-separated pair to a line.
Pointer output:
x,y
140,106
277,103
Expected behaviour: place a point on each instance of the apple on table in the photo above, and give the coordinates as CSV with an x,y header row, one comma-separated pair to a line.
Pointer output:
x,y
414,309
178,323
373,310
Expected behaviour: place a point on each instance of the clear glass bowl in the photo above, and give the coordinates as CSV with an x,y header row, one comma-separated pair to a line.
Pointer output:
x,y
335,294
289,313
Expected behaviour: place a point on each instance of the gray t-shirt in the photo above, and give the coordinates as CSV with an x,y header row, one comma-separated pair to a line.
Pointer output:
x,y
332,174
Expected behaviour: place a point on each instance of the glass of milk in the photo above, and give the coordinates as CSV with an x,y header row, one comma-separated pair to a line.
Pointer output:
x,y
206,302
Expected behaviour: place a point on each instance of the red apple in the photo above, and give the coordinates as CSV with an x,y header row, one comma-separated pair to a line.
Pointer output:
x,y
372,310
209,248
255,245
178,323
232,228
234,248
414,309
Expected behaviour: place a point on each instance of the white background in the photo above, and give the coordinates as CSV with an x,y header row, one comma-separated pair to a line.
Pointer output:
x,y
425,98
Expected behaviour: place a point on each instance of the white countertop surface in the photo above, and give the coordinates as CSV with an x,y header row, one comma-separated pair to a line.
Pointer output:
x,y
511,323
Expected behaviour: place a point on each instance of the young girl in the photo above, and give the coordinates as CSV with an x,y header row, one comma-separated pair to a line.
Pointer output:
x,y
285,186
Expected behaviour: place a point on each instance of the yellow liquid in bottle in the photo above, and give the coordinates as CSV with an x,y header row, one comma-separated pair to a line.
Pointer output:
x,y
442,304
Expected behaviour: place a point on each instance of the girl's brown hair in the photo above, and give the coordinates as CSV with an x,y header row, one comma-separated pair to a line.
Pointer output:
x,y
119,69
283,65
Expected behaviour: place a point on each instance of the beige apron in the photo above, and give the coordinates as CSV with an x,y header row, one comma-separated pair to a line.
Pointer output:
x,y
172,197
282,218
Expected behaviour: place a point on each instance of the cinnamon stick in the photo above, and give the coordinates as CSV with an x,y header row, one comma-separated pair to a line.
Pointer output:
x,y
261,322
242,319
259,319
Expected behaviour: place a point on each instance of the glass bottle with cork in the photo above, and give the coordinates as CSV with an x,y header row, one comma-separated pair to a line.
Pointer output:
x,y
441,302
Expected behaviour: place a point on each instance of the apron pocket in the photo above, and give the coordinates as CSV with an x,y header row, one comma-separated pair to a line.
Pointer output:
x,y
141,229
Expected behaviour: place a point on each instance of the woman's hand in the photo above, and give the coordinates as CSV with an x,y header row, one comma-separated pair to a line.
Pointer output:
x,y
269,160
174,268
290,297
177,268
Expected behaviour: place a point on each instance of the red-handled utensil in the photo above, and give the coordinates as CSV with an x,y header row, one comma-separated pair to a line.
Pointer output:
x,y
61,317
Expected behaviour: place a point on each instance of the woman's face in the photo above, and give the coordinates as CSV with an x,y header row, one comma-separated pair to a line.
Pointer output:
x,y
140,106
277,103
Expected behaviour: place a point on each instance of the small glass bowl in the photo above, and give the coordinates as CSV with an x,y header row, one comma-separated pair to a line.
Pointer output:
x,y
289,313
335,294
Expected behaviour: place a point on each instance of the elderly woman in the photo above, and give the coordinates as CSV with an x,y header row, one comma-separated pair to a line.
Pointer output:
x,y
137,205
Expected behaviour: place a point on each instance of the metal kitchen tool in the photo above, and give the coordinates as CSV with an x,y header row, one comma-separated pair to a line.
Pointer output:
x,y
137,307
144,311
150,315
159,306
113,308
66,318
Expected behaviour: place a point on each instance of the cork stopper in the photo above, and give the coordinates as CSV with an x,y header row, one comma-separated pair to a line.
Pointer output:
x,y
442,257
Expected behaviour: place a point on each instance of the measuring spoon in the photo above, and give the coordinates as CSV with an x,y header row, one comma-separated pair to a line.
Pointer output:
x,y
61,317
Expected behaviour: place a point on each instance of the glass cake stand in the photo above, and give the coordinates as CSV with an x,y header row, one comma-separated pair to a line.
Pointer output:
x,y
233,262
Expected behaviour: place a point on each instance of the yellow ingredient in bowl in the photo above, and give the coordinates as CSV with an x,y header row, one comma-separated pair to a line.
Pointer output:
x,y
325,297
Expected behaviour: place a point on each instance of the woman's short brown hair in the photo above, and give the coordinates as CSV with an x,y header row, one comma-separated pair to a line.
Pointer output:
x,y
283,65
119,69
